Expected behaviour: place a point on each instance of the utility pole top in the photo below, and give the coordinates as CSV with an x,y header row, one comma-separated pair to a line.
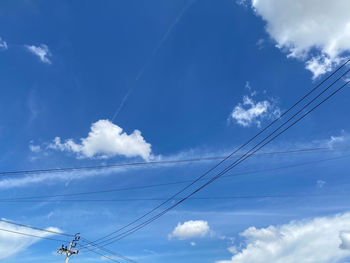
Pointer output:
x,y
70,250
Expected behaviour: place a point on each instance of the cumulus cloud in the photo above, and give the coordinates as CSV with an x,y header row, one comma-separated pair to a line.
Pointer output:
x,y
320,240
190,229
3,44
104,140
251,112
41,51
315,31
11,243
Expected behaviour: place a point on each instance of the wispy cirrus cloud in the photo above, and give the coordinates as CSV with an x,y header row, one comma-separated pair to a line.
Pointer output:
x,y
42,52
54,178
12,243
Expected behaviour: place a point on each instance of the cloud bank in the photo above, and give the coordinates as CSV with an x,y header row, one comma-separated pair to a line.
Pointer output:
x,y
320,240
315,31
105,140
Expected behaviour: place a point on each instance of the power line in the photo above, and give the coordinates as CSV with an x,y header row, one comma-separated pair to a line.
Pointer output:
x,y
36,228
52,239
102,255
90,243
126,233
30,235
165,198
229,156
171,183
198,159
244,157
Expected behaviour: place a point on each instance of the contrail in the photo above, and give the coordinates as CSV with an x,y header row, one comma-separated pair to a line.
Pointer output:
x,y
155,51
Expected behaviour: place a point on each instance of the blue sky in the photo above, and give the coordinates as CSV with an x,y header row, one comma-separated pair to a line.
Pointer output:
x,y
87,83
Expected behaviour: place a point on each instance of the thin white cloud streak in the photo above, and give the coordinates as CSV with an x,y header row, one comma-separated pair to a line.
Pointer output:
x,y
63,177
154,53
12,244
14,181
342,138
54,178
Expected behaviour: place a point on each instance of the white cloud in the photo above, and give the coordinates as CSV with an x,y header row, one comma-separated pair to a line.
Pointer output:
x,y
11,243
260,43
190,229
315,31
320,183
104,140
233,249
336,140
242,2
345,240
251,113
41,51
54,178
8,182
320,240
193,244
321,64
3,44
34,148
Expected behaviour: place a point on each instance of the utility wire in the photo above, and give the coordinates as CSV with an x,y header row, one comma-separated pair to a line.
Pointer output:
x,y
67,169
250,140
177,182
53,239
165,198
138,227
90,243
36,228
126,233
41,198
102,255
30,235
245,156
